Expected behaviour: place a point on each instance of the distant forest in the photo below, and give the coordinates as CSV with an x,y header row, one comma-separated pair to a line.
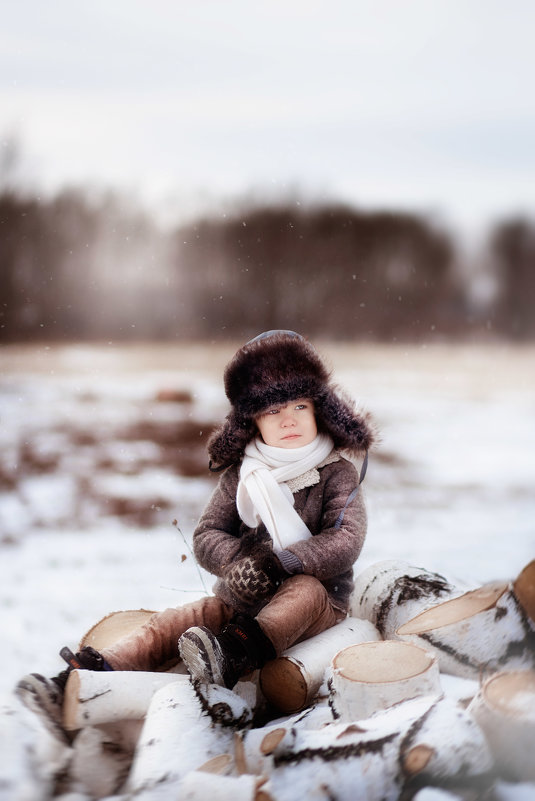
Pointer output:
x,y
80,267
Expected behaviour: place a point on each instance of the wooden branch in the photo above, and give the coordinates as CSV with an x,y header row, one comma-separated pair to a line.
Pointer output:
x,y
372,676
290,682
94,697
505,709
475,634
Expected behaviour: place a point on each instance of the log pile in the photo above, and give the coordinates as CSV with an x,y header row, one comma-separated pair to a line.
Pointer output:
x,y
365,710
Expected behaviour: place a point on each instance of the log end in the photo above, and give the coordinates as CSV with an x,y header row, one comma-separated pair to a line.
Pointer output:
x,y
272,740
417,759
113,627
524,590
381,662
71,706
220,765
284,685
454,610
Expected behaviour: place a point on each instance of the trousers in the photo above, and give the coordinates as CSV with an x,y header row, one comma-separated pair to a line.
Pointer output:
x,y
299,609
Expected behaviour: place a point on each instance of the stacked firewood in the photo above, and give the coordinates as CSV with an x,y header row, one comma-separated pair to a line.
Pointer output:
x,y
426,684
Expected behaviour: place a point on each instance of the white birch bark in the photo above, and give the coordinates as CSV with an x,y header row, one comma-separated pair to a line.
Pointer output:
x,y
99,764
202,786
420,741
179,736
505,709
391,592
372,676
254,748
475,634
95,697
291,682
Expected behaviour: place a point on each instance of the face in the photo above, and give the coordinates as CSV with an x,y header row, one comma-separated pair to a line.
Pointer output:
x,y
289,426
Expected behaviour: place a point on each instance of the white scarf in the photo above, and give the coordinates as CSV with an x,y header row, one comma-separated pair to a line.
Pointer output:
x,y
262,494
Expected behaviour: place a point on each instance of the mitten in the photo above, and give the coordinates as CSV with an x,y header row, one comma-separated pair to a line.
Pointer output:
x,y
255,577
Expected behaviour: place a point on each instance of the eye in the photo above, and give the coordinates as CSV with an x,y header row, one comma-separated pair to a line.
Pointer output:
x,y
301,406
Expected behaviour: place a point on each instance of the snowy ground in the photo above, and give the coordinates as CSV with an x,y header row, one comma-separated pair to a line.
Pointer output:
x,y
89,489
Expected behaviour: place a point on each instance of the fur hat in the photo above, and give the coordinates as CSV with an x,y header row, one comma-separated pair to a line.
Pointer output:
x,y
275,368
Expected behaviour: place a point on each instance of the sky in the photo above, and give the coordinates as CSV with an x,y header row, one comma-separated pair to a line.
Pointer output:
x,y
423,105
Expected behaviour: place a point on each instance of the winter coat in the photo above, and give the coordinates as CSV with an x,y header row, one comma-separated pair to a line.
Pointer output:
x,y
322,499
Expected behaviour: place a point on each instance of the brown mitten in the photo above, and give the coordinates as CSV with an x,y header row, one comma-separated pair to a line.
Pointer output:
x,y
255,577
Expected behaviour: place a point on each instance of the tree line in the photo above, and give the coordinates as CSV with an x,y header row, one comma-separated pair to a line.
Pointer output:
x,y
83,267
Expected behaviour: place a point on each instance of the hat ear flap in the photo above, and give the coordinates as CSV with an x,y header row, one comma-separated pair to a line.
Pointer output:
x,y
227,443
350,430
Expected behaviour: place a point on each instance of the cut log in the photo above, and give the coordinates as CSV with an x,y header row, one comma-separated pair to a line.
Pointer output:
x,y
391,592
290,682
372,676
505,709
342,760
524,590
446,746
113,627
426,740
477,633
99,764
95,697
30,759
200,786
110,629
179,735
254,748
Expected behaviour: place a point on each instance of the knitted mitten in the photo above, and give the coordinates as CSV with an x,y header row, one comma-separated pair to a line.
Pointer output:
x,y
255,577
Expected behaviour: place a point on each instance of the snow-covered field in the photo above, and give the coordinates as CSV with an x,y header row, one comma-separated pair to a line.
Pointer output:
x,y
90,488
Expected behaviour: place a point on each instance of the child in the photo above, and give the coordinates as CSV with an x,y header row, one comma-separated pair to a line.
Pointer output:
x,y
281,532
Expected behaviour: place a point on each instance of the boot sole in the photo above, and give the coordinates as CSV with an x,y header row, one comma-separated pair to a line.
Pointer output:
x,y
40,704
200,653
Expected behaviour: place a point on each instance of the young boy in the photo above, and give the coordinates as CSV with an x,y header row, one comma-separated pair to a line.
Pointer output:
x,y
281,532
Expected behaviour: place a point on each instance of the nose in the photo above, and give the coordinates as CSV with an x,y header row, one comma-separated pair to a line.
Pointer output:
x,y
288,418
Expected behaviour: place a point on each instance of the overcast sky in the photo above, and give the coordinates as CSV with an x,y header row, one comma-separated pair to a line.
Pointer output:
x,y
424,104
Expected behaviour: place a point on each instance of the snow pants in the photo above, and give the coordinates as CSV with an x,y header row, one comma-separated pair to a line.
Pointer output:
x,y
299,609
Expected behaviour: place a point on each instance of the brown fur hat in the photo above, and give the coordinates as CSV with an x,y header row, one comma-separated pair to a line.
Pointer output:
x,y
275,368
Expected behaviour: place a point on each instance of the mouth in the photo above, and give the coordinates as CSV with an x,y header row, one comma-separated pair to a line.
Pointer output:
x,y
292,436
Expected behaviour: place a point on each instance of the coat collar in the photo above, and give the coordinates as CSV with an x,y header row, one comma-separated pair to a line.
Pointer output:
x,y
311,477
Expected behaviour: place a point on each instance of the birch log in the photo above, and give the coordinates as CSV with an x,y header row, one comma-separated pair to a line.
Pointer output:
x,y
290,682
505,709
95,697
372,676
179,736
99,762
524,590
254,748
426,740
446,746
391,592
114,626
477,633
200,786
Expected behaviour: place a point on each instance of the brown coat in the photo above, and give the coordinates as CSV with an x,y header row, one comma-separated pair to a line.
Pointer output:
x,y
320,496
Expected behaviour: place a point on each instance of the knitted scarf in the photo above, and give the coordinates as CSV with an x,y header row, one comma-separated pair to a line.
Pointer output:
x,y
262,494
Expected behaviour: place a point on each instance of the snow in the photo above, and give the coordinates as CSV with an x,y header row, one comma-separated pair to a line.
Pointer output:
x,y
450,488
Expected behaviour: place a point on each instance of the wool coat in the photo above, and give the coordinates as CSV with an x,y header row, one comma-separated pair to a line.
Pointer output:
x,y
325,499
